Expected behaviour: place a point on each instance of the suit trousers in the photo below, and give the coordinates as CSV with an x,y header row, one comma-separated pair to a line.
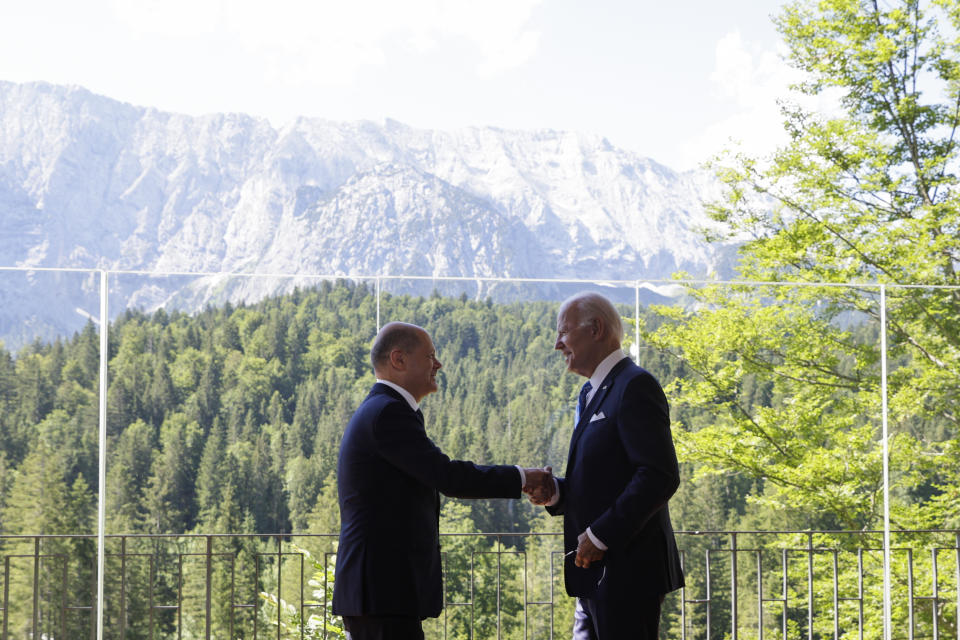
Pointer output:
x,y
599,619
382,628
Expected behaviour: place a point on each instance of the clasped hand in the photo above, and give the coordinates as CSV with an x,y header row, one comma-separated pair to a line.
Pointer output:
x,y
540,486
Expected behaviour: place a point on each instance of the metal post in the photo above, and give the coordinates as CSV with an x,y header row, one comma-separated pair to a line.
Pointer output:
x,y
63,598
36,587
378,305
327,597
860,594
233,589
760,595
526,596
553,579
910,599
6,595
810,586
956,568
179,596
887,608
209,579
279,584
303,609
102,453
784,590
935,592
636,318
256,571
836,595
734,623
499,557
709,585
473,598
153,574
123,586
683,599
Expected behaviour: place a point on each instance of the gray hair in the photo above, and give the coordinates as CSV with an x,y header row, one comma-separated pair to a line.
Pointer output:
x,y
394,335
591,306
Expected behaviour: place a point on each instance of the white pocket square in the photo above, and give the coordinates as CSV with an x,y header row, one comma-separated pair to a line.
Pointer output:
x,y
597,416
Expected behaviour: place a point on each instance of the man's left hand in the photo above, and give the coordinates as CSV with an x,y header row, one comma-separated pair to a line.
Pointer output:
x,y
587,552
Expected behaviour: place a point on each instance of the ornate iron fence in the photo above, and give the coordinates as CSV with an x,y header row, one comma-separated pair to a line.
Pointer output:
x,y
740,585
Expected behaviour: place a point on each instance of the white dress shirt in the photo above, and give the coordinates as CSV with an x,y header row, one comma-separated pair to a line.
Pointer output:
x,y
403,392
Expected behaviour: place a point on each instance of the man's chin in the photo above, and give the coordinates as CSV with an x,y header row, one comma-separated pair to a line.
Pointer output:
x,y
578,372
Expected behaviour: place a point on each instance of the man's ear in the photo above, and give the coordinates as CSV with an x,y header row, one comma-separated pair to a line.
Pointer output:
x,y
397,359
597,327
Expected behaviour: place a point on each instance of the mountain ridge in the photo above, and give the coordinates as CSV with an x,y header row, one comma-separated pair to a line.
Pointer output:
x,y
90,182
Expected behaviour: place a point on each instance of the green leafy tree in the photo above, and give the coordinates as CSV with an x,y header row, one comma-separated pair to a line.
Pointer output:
x,y
783,382
864,195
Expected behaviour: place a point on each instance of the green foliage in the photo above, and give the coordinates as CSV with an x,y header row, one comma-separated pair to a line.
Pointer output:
x,y
867,194
311,620
234,415
780,385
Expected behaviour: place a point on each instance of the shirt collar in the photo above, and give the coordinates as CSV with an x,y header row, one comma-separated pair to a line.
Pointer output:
x,y
403,392
605,366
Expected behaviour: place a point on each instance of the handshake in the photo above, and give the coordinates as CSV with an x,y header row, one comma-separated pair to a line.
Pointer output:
x,y
540,485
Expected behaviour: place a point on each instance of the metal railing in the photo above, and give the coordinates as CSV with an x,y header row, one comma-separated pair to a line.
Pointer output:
x,y
120,282
740,585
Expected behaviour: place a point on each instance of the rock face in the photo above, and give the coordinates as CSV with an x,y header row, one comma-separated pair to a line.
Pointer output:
x,y
89,183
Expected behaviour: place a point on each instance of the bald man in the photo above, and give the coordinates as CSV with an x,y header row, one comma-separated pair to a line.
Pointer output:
x,y
389,477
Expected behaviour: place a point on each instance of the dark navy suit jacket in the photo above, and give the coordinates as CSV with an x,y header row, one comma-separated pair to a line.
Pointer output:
x,y
621,471
388,477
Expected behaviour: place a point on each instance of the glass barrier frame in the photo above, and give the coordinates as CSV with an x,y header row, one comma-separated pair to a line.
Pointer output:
x,y
382,283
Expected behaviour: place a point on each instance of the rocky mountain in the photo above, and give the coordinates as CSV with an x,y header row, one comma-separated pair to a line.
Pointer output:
x,y
88,182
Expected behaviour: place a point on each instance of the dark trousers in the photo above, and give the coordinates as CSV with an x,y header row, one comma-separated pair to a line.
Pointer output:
x,y
382,628
596,619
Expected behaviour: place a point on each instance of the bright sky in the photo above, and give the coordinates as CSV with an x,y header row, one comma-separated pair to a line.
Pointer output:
x,y
671,80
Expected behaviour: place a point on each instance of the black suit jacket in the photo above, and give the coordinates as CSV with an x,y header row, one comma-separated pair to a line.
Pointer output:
x,y
388,477
621,471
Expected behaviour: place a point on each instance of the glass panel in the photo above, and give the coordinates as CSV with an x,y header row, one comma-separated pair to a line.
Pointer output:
x,y
775,396
227,399
49,375
504,398
923,359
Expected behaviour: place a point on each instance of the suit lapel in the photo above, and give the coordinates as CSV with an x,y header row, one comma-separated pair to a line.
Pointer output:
x,y
595,403
390,391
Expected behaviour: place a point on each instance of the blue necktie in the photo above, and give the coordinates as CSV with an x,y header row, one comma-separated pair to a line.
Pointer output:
x,y
582,401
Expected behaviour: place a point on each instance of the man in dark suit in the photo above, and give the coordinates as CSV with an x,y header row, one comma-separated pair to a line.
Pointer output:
x,y
621,471
388,574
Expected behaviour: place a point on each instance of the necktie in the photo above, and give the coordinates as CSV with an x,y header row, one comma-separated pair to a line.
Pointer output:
x,y
582,401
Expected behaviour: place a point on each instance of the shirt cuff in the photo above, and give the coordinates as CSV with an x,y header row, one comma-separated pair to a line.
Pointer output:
x,y
556,494
595,540
523,477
